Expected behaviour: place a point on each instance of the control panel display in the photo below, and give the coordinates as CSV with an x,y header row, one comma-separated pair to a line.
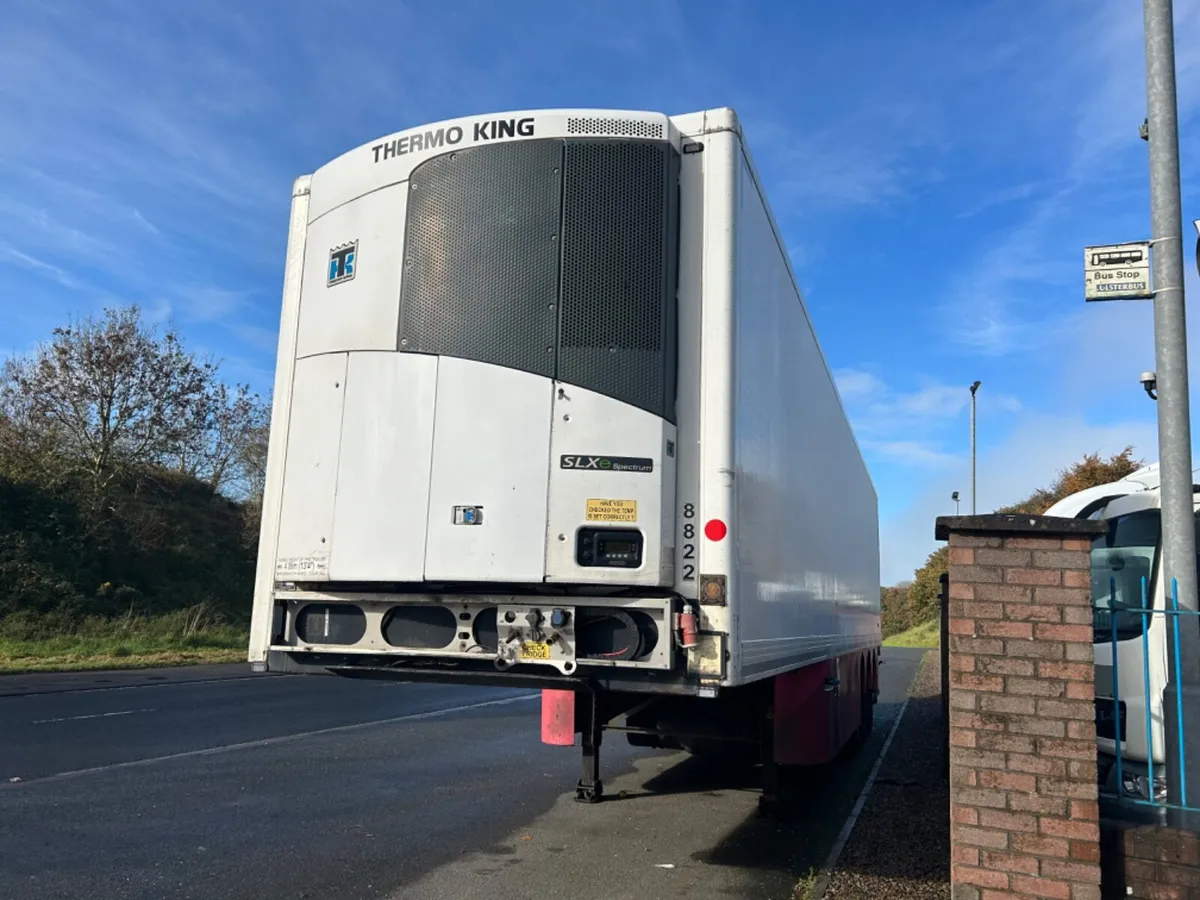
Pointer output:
x,y
609,548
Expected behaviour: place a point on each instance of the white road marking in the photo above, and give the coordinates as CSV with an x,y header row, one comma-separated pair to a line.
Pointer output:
x,y
124,712
130,687
267,742
822,883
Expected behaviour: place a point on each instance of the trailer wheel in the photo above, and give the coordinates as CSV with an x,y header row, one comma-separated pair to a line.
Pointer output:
x,y
866,724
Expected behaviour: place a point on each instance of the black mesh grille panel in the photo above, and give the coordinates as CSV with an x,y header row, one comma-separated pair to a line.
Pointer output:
x,y
616,335
481,255
622,127
550,256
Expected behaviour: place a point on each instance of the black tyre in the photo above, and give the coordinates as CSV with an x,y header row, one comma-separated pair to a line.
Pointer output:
x,y
867,723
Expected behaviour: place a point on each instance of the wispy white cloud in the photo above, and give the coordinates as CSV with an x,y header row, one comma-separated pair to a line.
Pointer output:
x,y
856,383
936,401
157,312
33,264
207,303
1001,197
1029,458
862,158
263,339
913,428
911,453
1008,299
880,410
133,164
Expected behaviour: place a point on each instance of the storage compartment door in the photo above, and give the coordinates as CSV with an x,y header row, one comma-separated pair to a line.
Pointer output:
x,y
351,294
487,491
382,502
310,469
612,487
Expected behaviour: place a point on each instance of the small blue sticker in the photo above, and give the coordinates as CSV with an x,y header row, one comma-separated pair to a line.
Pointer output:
x,y
342,261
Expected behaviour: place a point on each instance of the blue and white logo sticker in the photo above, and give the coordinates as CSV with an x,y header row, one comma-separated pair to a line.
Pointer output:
x,y
468,515
342,262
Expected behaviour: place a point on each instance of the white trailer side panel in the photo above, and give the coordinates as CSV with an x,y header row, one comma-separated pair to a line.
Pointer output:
x,y
805,520
281,411
688,402
717,473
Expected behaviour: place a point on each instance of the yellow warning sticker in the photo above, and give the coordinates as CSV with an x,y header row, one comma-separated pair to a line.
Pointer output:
x,y
612,510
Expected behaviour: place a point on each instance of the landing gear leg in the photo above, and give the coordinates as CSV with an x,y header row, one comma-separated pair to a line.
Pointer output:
x,y
590,788
768,802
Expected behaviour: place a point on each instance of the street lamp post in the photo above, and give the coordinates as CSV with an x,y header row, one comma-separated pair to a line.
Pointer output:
x,y
954,497
974,388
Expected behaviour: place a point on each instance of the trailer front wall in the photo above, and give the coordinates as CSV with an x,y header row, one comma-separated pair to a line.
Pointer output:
x,y
805,522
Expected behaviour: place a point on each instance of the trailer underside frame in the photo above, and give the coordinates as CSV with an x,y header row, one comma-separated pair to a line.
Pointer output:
x,y
804,717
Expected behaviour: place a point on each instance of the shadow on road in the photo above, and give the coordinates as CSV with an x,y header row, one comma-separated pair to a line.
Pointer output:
x,y
901,838
791,843
698,775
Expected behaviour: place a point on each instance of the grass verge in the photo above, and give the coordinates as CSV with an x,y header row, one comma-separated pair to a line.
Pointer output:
x,y
807,886
187,637
927,634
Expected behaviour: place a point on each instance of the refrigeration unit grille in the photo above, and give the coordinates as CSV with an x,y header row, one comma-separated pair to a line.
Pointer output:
x,y
552,256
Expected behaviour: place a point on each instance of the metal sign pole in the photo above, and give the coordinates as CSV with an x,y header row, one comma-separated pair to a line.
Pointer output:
x,y
1181,697
1170,332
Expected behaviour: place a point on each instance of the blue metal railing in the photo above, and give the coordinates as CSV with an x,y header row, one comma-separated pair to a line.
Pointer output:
x,y
1117,614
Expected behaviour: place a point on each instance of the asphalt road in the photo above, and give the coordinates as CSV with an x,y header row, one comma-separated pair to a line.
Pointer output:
x,y
214,784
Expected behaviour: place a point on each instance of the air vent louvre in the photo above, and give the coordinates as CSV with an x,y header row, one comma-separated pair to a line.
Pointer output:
x,y
618,127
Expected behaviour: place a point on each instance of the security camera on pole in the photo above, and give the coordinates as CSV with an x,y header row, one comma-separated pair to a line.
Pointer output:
x,y
1196,224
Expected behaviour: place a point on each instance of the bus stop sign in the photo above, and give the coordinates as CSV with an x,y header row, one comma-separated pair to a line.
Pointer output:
x,y
1117,272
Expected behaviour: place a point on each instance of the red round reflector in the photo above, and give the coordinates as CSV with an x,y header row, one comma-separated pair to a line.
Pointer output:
x,y
715,530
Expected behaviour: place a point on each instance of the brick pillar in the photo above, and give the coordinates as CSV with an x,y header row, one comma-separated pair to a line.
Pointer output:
x,y
1023,796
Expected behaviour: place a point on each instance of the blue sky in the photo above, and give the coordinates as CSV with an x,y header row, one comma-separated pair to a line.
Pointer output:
x,y
937,168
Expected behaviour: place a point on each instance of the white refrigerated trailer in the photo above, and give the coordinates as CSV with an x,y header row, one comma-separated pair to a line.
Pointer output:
x,y
549,411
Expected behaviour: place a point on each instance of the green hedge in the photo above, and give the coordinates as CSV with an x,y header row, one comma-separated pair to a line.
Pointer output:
x,y
151,543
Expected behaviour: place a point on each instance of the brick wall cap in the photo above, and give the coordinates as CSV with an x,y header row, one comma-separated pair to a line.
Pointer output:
x,y
997,523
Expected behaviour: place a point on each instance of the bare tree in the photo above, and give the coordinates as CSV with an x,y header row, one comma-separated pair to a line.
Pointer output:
x,y
111,396
252,461
252,452
108,394
222,452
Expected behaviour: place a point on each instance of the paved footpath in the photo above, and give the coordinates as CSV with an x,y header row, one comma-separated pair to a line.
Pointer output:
x,y
894,852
